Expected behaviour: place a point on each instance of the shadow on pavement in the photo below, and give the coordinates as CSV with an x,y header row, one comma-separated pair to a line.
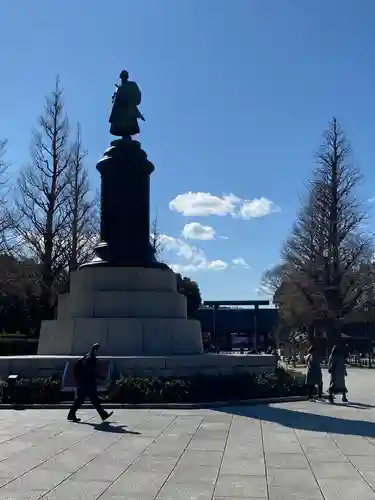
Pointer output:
x,y
360,406
305,421
108,427
349,404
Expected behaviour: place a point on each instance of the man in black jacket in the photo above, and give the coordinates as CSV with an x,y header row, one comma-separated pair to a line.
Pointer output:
x,y
85,373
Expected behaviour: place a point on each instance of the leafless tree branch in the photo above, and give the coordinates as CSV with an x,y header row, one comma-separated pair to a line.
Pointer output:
x,y
326,256
81,208
155,239
41,217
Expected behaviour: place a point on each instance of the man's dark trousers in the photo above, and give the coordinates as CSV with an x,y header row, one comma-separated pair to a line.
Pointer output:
x,y
90,392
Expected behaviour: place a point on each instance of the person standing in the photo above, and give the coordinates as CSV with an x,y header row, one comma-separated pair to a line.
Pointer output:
x,y
337,369
85,374
314,372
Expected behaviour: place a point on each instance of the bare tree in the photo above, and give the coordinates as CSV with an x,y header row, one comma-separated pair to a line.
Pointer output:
x,y
272,279
42,219
155,238
81,206
326,250
5,211
294,311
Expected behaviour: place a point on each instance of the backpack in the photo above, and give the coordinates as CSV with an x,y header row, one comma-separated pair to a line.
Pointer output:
x,y
79,368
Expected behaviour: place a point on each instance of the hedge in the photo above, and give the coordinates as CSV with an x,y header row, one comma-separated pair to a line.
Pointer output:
x,y
200,388
195,389
33,390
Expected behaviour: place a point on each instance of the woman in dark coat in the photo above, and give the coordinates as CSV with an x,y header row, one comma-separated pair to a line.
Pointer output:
x,y
337,369
314,372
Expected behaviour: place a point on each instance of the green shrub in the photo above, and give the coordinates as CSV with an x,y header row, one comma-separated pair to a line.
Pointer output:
x,y
36,390
200,388
197,388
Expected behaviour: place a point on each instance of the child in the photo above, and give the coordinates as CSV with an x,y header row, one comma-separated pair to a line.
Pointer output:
x,y
314,372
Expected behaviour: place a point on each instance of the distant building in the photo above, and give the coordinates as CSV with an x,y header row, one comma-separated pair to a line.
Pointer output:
x,y
232,324
249,324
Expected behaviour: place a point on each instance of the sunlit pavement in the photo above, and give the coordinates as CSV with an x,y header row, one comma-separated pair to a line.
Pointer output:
x,y
306,450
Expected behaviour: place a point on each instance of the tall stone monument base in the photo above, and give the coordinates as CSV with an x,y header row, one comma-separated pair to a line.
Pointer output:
x,y
130,311
139,319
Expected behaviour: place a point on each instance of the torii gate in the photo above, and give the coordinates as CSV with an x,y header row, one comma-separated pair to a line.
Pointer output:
x,y
215,304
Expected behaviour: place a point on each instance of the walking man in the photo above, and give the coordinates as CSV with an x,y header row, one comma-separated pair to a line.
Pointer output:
x,y
85,373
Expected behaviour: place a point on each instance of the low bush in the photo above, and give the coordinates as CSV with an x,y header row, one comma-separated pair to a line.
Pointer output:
x,y
196,389
33,390
200,388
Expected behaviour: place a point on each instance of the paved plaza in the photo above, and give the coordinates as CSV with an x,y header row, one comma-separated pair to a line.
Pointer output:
x,y
301,451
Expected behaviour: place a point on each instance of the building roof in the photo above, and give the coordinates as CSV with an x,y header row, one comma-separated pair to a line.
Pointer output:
x,y
236,302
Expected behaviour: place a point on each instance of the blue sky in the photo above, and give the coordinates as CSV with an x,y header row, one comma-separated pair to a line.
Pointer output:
x,y
236,96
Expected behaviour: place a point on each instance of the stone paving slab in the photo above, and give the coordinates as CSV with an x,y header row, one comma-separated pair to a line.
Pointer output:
x,y
289,451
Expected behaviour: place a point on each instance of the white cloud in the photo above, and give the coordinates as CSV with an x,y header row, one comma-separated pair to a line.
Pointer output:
x,y
201,204
196,231
205,204
217,265
184,268
240,262
371,200
259,207
181,249
195,258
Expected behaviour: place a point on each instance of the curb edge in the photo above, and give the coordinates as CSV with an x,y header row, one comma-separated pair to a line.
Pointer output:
x,y
160,406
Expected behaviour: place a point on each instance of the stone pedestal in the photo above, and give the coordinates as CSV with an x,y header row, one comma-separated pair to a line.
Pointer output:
x,y
125,205
130,311
124,299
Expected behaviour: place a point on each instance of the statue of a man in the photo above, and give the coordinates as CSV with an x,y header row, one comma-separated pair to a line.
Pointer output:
x,y
125,113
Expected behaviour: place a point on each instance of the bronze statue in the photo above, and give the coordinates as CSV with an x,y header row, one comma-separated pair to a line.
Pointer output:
x,y
125,113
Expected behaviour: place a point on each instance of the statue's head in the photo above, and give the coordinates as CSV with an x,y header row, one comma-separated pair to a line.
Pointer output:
x,y
124,75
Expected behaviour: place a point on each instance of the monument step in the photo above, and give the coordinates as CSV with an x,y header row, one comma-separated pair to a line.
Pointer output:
x,y
143,365
123,278
122,304
121,336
